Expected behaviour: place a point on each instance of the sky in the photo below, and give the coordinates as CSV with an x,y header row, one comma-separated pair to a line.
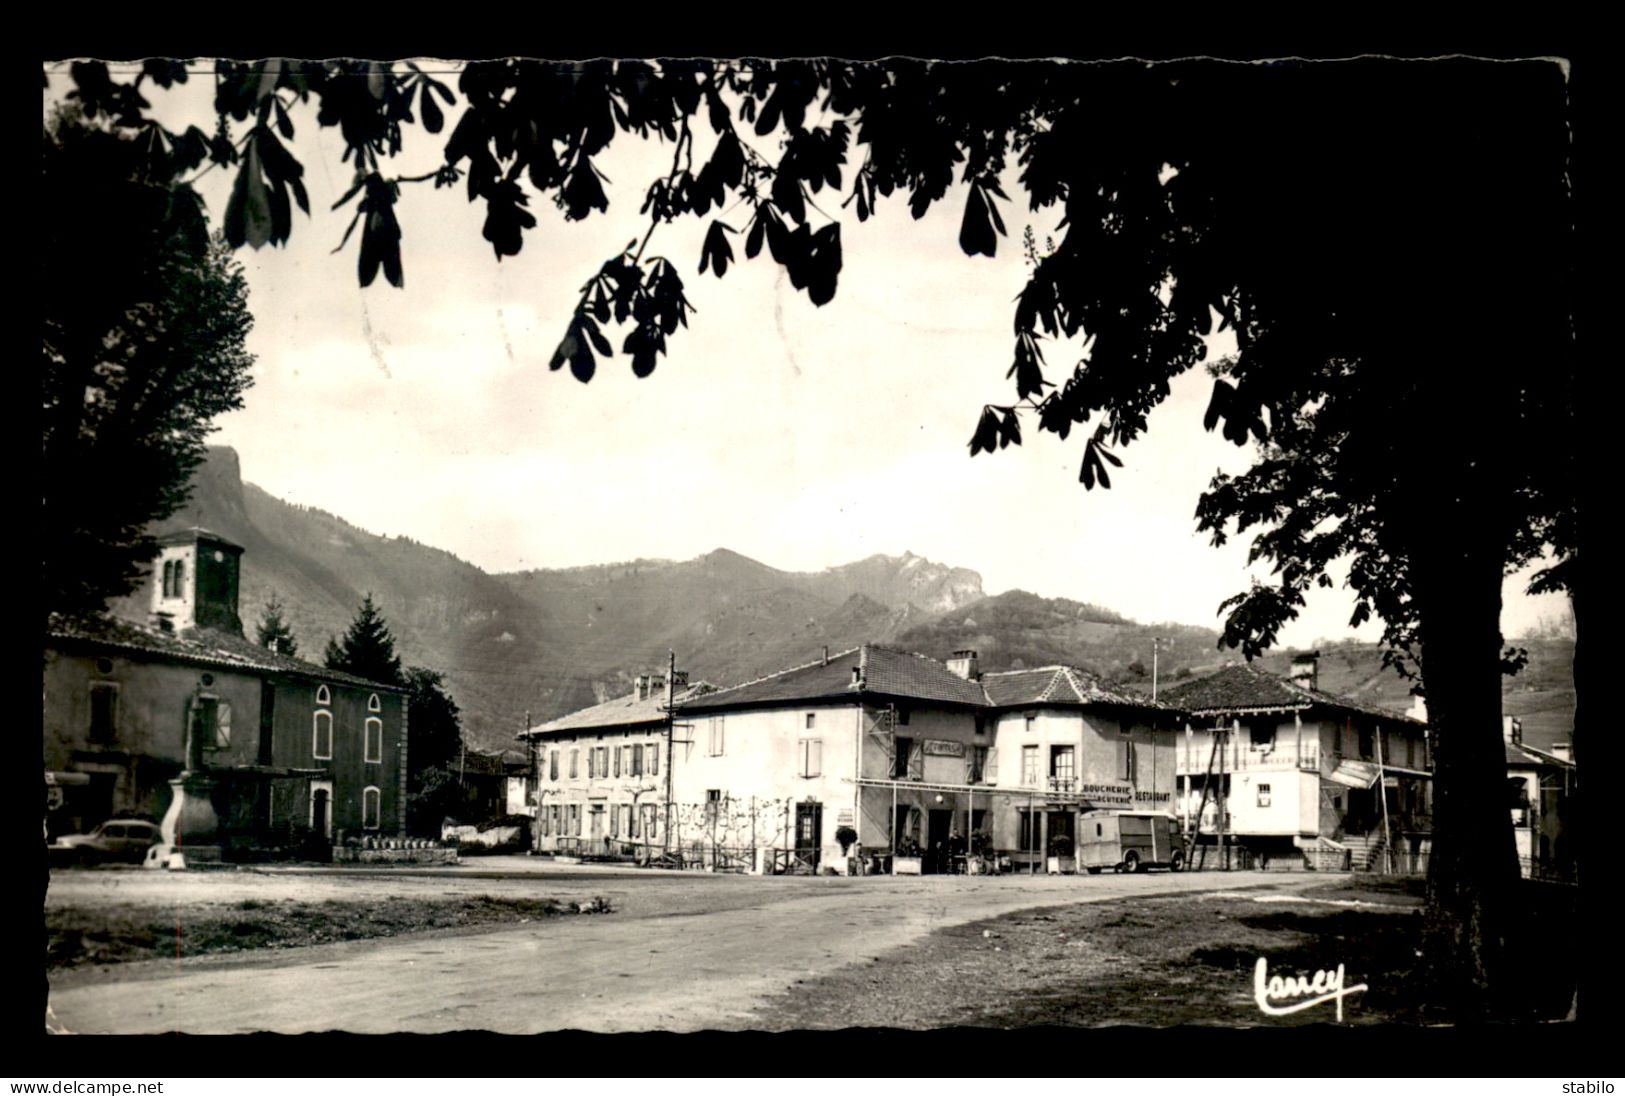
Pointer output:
x,y
803,437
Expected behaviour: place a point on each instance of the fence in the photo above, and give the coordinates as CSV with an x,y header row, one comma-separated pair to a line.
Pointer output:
x,y
725,835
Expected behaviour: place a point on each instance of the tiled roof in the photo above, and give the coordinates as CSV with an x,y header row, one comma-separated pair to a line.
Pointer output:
x,y
1057,685
1242,687
885,672
200,646
906,675
1523,757
623,711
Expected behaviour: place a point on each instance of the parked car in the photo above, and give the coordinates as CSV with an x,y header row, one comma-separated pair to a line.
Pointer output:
x,y
1129,841
115,839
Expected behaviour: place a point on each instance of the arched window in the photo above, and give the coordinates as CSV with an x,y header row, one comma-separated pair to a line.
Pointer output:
x,y
180,570
169,574
322,738
323,696
370,800
374,740
374,704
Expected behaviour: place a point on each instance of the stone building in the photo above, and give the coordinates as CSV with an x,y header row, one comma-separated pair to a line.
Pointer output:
x,y
283,747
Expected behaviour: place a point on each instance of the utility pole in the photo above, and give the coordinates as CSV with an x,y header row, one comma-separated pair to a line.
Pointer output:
x,y
1156,643
671,749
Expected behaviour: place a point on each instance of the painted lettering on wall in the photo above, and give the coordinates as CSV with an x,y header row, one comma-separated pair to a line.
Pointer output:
x,y
1324,986
937,747
1151,797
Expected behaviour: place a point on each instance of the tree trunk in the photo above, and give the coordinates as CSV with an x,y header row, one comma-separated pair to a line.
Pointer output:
x,y
1473,872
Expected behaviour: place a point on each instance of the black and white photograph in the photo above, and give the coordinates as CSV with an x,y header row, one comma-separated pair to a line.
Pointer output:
x,y
801,544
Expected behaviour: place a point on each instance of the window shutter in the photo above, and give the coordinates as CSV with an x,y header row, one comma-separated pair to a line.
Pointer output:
x,y
991,775
617,761
916,760
654,759
637,760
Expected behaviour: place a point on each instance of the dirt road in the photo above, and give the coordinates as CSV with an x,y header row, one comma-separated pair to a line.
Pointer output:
x,y
682,953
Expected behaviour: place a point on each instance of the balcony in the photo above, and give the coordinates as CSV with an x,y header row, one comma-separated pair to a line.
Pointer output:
x,y
1192,759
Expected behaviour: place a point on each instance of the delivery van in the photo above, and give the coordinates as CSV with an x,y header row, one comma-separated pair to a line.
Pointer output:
x,y
1130,841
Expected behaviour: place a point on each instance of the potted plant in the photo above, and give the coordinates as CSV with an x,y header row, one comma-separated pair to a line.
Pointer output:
x,y
908,860
1061,860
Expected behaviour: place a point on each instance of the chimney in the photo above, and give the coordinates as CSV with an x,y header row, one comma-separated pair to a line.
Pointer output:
x,y
164,622
194,581
640,685
1306,670
963,664
857,677
1512,729
1419,707
826,654
679,680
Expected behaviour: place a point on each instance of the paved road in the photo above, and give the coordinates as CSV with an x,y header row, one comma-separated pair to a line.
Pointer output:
x,y
683,952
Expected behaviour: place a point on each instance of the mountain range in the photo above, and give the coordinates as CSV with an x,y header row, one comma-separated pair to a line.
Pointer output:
x,y
546,642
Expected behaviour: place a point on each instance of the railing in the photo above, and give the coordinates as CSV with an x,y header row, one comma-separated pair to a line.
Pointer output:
x,y
1193,760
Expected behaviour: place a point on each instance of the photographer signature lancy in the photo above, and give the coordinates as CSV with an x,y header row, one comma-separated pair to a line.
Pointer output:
x,y
1325,986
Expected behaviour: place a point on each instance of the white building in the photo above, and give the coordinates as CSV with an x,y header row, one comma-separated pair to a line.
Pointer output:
x,y
900,749
1296,772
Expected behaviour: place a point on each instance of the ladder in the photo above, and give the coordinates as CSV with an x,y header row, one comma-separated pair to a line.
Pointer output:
x,y
1207,787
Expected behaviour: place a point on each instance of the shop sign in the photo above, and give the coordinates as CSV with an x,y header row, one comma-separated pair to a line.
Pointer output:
x,y
1119,793
937,747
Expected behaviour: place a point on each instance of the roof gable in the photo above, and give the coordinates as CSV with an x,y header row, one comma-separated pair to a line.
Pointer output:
x,y
1243,687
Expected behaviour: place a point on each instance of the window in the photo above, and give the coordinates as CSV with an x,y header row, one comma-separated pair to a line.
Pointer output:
x,y
654,758
169,574
617,761
1060,762
103,712
812,757
1029,766
812,718
1261,734
369,808
575,819
575,756
374,704
180,570
603,762
553,765
902,716
976,765
615,819
632,819
211,722
374,744
716,736
1263,795
1366,742
904,751
713,802
637,760
1032,721
321,746
323,696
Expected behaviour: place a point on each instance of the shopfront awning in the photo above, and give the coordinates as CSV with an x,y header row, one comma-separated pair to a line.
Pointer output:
x,y
1355,774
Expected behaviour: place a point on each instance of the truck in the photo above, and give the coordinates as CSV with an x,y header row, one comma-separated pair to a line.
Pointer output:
x,y
1130,841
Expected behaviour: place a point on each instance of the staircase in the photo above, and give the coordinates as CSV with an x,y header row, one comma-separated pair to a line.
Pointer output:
x,y
1365,851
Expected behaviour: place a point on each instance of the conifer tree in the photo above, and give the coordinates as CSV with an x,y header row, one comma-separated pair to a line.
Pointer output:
x,y
367,649
273,632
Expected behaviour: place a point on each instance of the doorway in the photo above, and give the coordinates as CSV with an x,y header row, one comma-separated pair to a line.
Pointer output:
x,y
939,823
809,833
321,808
